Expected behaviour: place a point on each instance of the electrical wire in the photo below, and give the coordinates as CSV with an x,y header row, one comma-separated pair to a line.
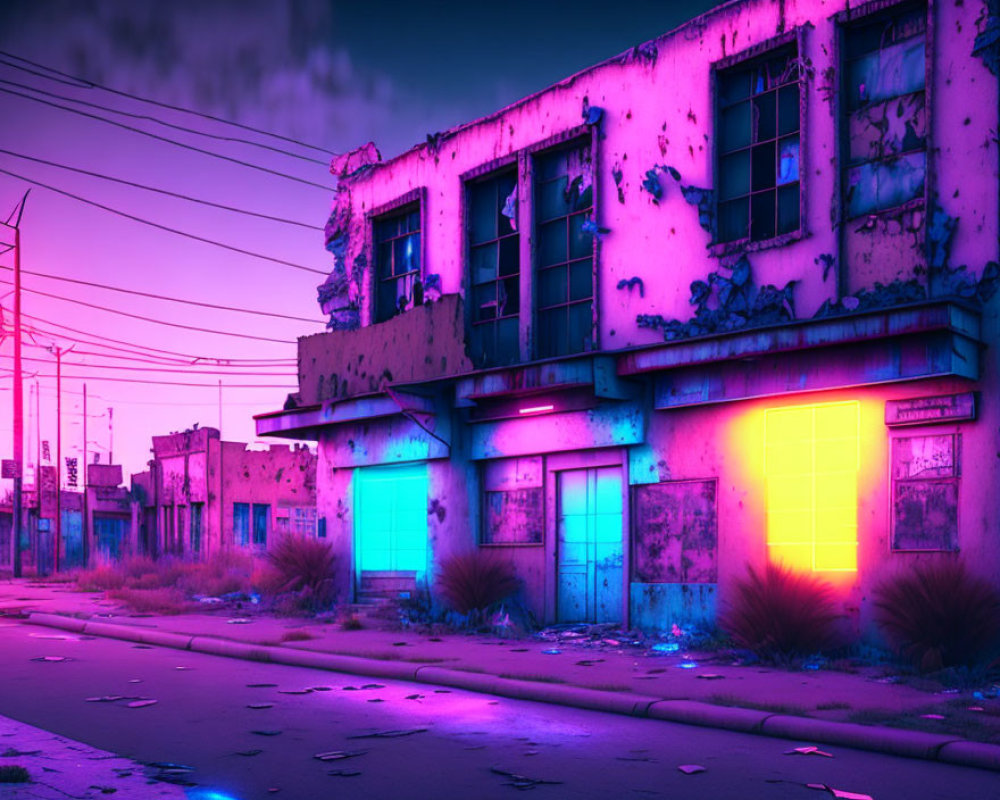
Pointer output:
x,y
166,124
154,368
166,228
166,192
137,293
89,84
152,320
98,378
156,136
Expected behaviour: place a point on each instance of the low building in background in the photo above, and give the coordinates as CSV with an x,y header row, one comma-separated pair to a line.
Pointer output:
x,y
201,495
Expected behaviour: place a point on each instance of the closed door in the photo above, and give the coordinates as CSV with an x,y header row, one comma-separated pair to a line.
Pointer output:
x,y
590,555
72,536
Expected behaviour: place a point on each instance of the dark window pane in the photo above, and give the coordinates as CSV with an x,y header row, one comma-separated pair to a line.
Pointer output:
x,y
484,263
861,192
384,258
414,220
788,160
788,208
762,216
788,109
765,117
580,326
734,220
484,300
509,296
509,256
482,212
551,286
402,255
385,300
552,243
507,347
581,244
550,166
734,128
900,180
581,280
762,166
551,339
581,194
733,86
412,251
386,228
552,199
734,175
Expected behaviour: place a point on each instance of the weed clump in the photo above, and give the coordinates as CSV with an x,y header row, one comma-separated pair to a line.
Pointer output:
x,y
939,615
780,614
475,580
306,567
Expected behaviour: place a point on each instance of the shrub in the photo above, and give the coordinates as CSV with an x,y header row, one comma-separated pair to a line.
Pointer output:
x,y
161,600
475,580
304,565
779,614
939,615
100,578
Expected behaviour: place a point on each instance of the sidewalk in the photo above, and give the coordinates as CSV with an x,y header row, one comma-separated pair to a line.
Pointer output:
x,y
607,674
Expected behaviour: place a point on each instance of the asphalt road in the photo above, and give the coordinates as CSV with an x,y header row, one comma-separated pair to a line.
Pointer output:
x,y
451,744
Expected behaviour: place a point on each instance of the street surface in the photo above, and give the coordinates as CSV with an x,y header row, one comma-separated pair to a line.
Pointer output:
x,y
407,740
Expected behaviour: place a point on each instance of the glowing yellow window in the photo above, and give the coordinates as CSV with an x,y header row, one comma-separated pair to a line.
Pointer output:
x,y
811,472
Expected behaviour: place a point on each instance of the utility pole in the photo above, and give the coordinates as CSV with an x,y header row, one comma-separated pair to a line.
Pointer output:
x,y
86,487
18,390
220,408
57,547
111,435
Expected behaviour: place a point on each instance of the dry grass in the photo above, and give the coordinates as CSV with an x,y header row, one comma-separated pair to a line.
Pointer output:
x,y
304,565
297,636
780,614
939,615
475,580
166,600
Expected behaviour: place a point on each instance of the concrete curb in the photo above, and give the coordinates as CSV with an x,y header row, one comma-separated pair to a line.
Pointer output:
x,y
892,741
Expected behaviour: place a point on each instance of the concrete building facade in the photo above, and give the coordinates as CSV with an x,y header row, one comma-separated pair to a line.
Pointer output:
x,y
726,297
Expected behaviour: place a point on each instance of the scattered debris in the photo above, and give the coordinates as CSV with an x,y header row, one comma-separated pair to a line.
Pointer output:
x,y
414,697
931,716
388,734
257,706
142,703
589,662
344,773
52,659
521,782
294,691
808,751
256,751
551,652
840,793
691,769
339,755
239,621
12,752
320,688
262,685
665,647
711,676
266,733
373,686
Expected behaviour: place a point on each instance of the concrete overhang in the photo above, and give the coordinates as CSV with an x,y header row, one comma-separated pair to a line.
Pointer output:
x,y
305,422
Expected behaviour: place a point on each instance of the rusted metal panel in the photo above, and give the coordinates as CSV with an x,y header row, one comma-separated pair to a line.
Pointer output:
x,y
676,532
514,517
659,606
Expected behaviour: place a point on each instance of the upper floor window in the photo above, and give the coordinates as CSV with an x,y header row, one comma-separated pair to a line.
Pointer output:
x,y
495,269
885,128
563,201
757,148
397,260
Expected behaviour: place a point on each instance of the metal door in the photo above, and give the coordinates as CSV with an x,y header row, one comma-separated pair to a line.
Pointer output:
x,y
109,534
72,536
590,554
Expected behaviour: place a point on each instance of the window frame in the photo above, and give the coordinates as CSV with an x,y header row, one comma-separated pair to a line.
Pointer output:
x,y
746,58
385,211
855,17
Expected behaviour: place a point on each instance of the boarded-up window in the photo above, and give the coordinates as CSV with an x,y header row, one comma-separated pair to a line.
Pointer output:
x,y
925,473
675,536
513,502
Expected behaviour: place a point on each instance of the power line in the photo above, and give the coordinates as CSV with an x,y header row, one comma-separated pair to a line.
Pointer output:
x,y
168,383
166,192
162,227
155,369
163,297
89,84
180,363
156,136
152,319
166,124
116,341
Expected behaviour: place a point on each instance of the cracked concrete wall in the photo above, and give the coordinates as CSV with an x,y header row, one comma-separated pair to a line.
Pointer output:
x,y
658,117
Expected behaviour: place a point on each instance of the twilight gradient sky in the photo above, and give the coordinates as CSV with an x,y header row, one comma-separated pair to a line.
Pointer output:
x,y
333,74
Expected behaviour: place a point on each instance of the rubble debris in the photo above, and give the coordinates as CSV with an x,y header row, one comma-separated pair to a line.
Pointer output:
x,y
256,751
808,751
691,769
839,793
339,755
388,734
344,773
262,686
257,706
522,782
142,703
52,659
266,733
294,691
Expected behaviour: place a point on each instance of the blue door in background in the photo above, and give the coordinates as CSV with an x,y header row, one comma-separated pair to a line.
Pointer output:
x,y
109,533
72,536
590,583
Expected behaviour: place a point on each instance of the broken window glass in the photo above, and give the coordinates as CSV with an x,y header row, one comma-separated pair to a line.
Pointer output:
x,y
494,257
758,148
885,126
397,260
563,191
925,476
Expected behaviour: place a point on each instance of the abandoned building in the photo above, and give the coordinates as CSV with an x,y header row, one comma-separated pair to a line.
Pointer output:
x,y
201,494
724,298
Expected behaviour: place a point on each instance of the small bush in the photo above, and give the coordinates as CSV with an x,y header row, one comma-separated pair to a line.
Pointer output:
x,y
161,600
14,773
939,615
306,566
100,579
780,614
475,580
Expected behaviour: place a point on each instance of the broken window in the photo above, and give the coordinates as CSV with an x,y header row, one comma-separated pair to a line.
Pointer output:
x,y
397,260
811,459
925,474
241,523
757,147
494,271
885,128
675,537
564,252
196,522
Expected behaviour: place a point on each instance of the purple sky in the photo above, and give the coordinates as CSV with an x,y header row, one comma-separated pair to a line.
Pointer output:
x,y
327,73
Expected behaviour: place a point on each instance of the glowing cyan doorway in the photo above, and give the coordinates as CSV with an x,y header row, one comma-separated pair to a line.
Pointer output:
x,y
390,519
591,576
811,458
